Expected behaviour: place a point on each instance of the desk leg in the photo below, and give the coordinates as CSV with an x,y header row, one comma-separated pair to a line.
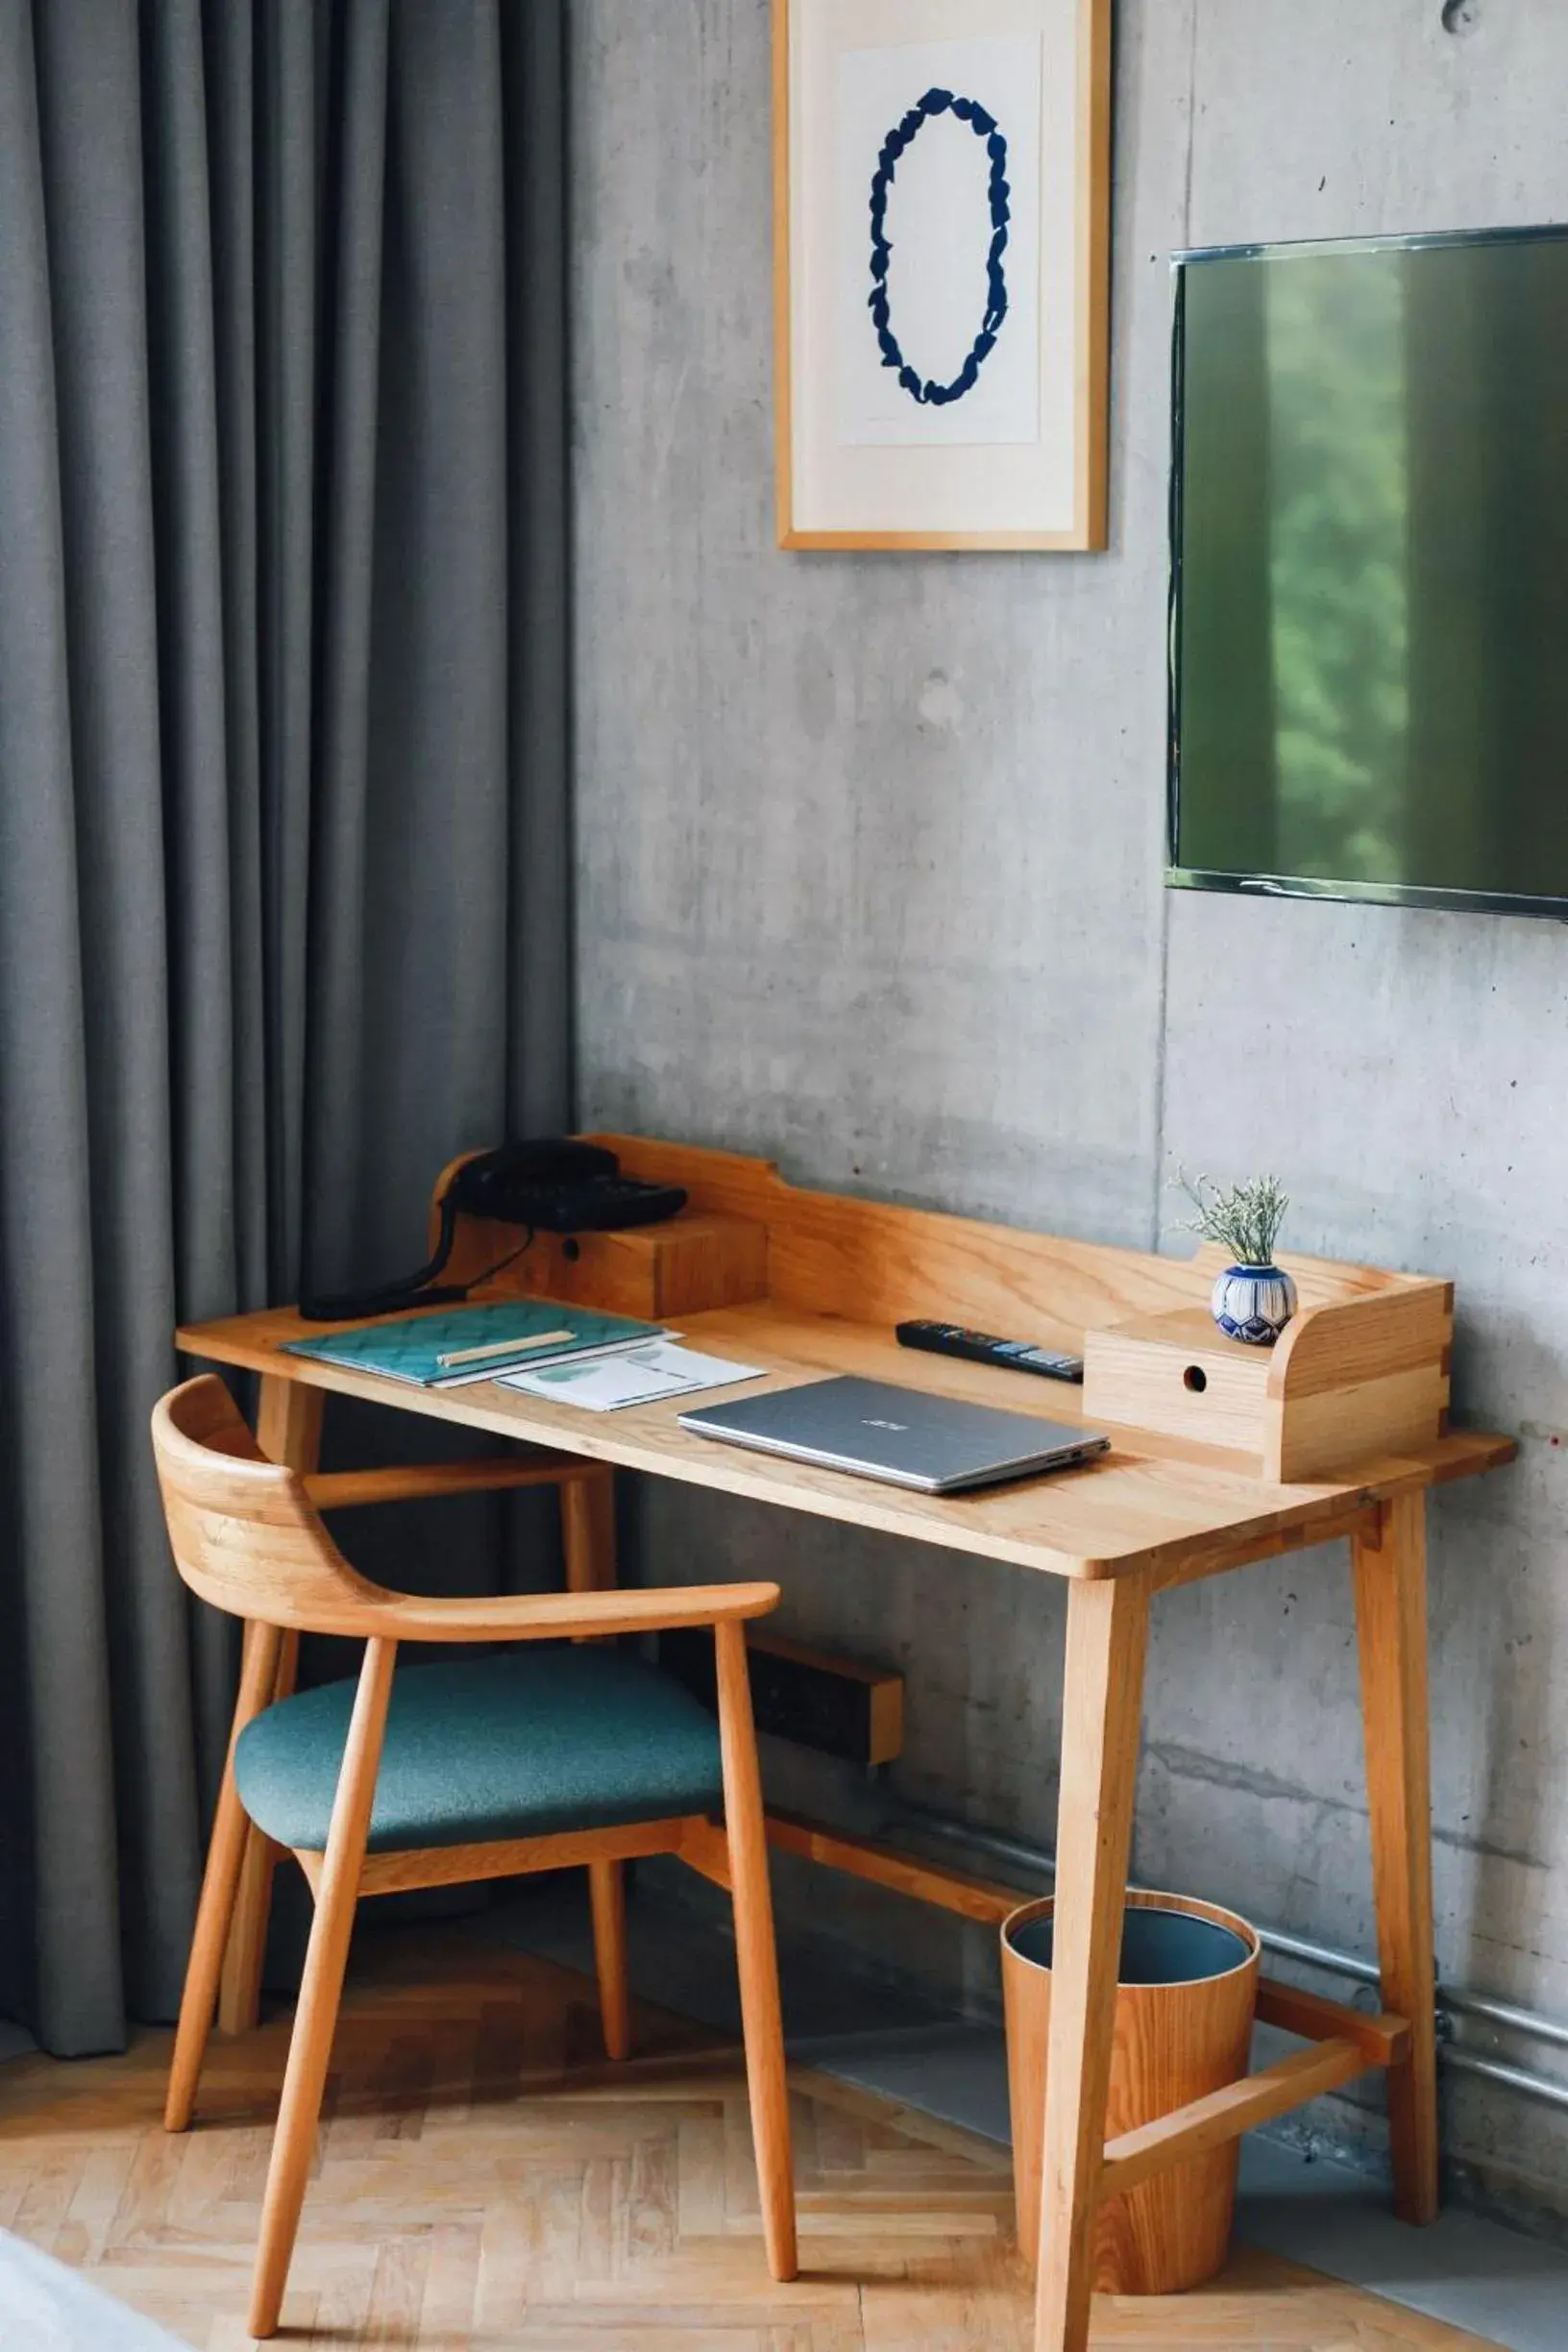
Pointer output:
x,y
1390,1575
588,1543
287,1430
588,1531
1108,1624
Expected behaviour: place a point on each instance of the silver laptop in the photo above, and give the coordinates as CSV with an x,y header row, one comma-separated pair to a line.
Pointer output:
x,y
905,1436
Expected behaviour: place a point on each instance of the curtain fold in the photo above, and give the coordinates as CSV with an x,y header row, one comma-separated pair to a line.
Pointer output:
x,y
283,800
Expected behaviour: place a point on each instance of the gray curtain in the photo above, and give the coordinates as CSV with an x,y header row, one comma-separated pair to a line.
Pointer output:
x,y
283,834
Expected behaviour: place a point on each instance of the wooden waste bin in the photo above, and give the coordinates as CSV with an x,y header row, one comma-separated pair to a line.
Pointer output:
x,y
1186,1989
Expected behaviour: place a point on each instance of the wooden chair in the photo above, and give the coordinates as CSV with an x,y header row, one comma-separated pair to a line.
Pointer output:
x,y
483,1767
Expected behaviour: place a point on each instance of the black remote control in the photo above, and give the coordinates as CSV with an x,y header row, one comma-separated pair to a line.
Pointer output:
x,y
1013,1354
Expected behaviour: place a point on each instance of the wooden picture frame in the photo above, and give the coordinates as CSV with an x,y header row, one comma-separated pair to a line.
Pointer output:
x,y
892,484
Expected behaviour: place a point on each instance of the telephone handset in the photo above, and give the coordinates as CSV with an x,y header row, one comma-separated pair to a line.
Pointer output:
x,y
554,1185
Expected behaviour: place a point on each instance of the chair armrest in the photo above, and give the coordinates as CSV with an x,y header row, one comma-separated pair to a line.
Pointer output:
x,y
408,1483
548,1616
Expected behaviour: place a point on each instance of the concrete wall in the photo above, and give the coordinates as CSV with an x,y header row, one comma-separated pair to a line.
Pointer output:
x,y
869,858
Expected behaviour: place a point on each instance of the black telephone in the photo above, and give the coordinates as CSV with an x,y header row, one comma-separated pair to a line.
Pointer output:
x,y
554,1185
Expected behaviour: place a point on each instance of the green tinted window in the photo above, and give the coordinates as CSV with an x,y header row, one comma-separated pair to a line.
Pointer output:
x,y
1373,619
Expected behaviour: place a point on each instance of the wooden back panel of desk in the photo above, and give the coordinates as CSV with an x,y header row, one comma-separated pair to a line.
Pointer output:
x,y
875,1262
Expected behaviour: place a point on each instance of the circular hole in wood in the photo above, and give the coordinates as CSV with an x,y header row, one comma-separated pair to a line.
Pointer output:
x,y
1195,1378
571,1250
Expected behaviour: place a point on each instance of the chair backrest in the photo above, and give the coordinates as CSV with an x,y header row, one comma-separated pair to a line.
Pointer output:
x,y
244,1534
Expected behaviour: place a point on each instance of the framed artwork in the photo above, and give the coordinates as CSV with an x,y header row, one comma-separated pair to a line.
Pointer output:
x,y
941,216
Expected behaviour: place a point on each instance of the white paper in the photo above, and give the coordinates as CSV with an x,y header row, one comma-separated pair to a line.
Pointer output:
x,y
939,225
641,1375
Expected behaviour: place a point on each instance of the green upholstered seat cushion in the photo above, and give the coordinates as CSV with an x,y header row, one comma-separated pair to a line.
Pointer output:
x,y
548,1736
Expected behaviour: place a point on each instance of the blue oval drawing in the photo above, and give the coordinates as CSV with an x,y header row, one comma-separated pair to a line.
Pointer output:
x,y
926,392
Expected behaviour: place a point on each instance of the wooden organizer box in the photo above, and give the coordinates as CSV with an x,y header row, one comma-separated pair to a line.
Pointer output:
x,y
688,1264
1359,1376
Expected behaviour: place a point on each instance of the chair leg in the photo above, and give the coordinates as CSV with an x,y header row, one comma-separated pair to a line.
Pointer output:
x,y
588,1543
220,1882
321,1987
607,1894
288,1420
239,1986
760,2014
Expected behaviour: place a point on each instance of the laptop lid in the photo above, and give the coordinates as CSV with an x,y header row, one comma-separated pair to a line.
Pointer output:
x,y
906,1436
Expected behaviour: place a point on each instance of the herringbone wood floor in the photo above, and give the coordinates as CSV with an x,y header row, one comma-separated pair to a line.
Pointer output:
x,y
486,2181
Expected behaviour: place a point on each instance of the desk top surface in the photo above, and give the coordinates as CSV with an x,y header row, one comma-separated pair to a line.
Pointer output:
x,y
1145,1505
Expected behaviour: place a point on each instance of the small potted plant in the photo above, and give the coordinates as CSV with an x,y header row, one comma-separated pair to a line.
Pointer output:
x,y
1254,1299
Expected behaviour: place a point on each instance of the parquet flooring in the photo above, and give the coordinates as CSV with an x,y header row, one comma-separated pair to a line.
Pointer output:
x,y
485,2181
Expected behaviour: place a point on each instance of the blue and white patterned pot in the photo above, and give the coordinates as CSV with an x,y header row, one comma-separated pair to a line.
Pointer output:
x,y
1253,1303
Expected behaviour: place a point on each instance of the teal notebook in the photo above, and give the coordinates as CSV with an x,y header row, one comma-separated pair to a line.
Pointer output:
x,y
513,1333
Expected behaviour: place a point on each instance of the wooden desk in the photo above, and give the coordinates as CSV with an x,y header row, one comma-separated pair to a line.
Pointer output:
x,y
1164,1507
